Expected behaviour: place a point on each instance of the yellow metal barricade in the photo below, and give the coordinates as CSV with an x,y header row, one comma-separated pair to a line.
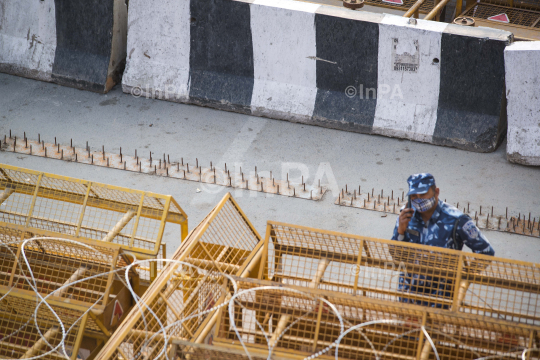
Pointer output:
x,y
521,17
64,246
180,299
51,205
319,285
373,268
297,323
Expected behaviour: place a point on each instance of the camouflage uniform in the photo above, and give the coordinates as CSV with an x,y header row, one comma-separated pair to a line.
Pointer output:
x,y
437,232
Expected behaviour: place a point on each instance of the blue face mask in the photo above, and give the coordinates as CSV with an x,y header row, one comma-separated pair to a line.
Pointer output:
x,y
423,205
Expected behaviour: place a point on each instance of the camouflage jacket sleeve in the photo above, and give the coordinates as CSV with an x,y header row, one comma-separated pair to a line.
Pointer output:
x,y
472,237
395,235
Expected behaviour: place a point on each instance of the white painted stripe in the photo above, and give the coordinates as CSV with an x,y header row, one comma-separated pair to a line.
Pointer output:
x,y
522,61
28,36
233,156
283,34
158,47
406,100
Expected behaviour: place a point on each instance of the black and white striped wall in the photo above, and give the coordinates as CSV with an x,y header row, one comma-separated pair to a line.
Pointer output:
x,y
298,61
79,43
522,61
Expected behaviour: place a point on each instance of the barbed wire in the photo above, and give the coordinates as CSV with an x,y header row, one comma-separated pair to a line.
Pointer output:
x,y
148,315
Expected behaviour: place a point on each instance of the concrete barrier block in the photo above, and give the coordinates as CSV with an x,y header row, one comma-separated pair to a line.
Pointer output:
x,y
303,62
522,62
70,42
28,38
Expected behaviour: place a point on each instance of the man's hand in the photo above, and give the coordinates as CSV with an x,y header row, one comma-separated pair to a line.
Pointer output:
x,y
404,218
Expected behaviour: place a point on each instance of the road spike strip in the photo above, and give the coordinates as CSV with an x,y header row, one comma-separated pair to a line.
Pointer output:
x,y
175,169
514,225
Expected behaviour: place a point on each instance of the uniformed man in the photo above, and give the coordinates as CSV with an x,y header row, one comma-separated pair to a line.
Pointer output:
x,y
431,221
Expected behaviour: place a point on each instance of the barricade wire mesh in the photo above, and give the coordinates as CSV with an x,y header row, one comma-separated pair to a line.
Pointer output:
x,y
50,205
56,292
522,14
208,303
403,272
187,289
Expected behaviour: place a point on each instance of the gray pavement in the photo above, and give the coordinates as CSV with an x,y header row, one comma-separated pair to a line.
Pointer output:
x,y
187,131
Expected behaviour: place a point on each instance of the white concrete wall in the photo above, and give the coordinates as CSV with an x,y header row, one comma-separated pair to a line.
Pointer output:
x,y
28,37
522,66
158,48
283,35
407,101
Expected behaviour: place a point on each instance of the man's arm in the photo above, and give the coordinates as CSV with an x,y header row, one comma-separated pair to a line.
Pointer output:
x,y
397,236
473,237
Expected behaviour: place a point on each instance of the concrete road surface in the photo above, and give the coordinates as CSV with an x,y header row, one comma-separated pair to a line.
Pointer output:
x,y
119,119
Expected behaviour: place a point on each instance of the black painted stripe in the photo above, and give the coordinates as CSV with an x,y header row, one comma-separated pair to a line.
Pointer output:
x,y
221,56
353,46
84,31
471,112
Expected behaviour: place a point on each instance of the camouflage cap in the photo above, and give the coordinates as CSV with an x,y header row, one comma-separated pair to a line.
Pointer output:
x,y
420,183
